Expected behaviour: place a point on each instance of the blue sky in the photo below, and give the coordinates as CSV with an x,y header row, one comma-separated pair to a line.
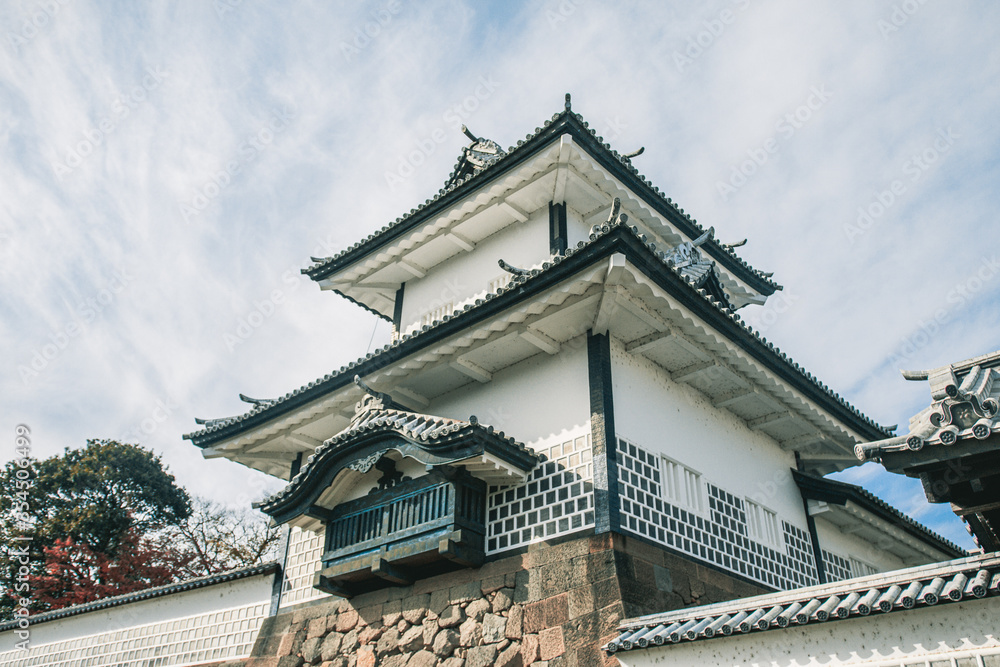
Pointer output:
x,y
166,169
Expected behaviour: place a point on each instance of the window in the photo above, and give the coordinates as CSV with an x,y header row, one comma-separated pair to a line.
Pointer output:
x,y
859,568
682,486
762,523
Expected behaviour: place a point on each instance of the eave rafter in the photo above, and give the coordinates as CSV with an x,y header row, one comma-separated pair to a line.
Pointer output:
x,y
776,410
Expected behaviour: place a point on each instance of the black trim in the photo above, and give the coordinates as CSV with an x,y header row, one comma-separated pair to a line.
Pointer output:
x,y
811,525
838,493
296,466
558,240
397,311
618,239
602,434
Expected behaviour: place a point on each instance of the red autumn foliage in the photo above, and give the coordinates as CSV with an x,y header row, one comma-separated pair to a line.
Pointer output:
x,y
76,574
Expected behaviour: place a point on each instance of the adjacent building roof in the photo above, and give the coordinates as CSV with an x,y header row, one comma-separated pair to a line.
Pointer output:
x,y
963,579
841,493
149,593
478,166
612,237
965,406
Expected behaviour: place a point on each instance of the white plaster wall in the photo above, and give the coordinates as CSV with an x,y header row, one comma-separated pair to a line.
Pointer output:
x,y
929,633
833,540
655,413
226,595
576,229
543,399
467,275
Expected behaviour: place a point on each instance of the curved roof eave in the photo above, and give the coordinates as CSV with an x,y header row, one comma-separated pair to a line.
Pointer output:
x,y
616,164
605,240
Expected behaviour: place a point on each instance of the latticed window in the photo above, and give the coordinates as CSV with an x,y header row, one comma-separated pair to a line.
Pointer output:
x,y
762,523
683,486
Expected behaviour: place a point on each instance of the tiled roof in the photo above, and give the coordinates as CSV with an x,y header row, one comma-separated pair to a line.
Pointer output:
x,y
821,488
965,405
513,290
458,187
953,581
423,428
158,591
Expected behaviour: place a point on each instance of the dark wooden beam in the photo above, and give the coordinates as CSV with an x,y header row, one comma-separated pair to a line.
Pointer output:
x,y
602,434
385,570
558,240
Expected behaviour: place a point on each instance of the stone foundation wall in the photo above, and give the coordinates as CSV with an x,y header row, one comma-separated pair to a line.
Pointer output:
x,y
550,607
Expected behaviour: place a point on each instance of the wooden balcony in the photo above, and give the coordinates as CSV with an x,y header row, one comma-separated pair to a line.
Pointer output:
x,y
415,529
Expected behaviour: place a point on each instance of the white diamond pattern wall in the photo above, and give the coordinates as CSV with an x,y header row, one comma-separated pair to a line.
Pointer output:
x,y
557,499
718,536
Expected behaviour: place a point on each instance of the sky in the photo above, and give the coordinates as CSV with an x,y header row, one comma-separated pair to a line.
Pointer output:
x,y
167,168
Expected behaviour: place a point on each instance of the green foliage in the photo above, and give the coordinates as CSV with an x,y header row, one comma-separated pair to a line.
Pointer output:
x,y
96,494
104,496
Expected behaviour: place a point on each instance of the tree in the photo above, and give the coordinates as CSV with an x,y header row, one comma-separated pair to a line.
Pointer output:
x,y
105,497
108,519
75,574
96,494
218,538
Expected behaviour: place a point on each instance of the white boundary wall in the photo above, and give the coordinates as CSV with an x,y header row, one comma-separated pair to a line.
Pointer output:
x,y
212,623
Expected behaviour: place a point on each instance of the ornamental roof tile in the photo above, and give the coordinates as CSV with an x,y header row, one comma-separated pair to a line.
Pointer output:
x,y
953,581
371,417
466,171
965,405
216,430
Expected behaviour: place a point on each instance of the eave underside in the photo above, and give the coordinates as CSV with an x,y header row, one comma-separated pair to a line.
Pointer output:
x,y
610,294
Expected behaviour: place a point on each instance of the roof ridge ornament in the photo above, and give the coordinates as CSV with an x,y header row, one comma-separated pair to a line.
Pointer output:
x,y
686,253
629,156
475,157
372,401
958,410
569,102
513,270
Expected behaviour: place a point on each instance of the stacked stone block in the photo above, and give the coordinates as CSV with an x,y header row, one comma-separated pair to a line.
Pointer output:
x,y
553,606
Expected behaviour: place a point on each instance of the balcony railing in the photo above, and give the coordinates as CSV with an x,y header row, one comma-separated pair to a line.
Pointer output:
x,y
430,522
